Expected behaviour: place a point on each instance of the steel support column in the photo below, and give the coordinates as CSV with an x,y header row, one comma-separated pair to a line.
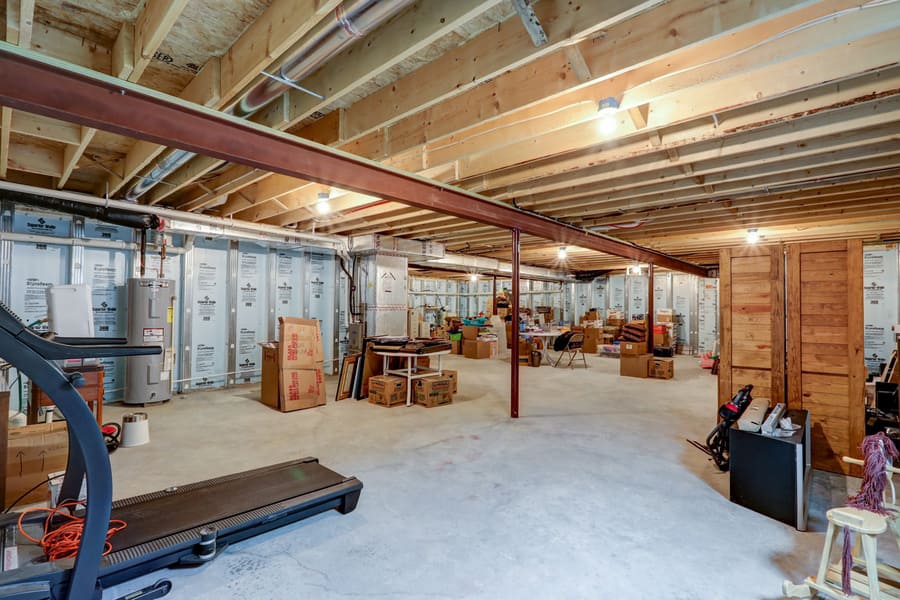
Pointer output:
x,y
32,82
651,310
514,336
494,300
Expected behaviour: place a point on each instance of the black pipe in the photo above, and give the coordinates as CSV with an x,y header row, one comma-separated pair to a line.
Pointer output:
x,y
115,216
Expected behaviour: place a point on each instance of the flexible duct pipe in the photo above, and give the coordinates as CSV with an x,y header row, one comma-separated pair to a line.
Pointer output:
x,y
213,225
347,24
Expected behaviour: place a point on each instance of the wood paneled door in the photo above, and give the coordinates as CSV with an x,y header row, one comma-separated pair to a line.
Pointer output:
x,y
825,368
751,330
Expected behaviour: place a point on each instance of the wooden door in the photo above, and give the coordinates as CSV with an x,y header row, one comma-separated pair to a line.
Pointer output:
x,y
751,327
826,371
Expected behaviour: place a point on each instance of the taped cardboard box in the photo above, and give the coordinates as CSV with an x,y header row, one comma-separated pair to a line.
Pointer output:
x,y
632,348
635,366
33,452
433,391
456,347
387,390
476,349
454,378
470,332
662,368
270,375
300,343
302,388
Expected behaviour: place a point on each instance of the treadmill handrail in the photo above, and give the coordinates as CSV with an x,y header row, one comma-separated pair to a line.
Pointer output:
x,y
62,348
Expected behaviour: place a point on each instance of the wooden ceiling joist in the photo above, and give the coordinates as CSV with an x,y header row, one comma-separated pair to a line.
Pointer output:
x,y
96,101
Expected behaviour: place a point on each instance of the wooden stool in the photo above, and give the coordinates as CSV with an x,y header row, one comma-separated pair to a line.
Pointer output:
x,y
91,391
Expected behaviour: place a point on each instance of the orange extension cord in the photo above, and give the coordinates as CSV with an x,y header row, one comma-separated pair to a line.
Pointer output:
x,y
62,542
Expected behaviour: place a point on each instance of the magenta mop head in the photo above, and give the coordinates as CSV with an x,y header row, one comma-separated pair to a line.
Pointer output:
x,y
877,449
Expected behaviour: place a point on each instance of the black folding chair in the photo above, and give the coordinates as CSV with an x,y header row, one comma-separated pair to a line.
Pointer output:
x,y
572,348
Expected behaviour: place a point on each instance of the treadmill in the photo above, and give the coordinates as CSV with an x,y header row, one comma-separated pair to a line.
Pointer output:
x,y
183,525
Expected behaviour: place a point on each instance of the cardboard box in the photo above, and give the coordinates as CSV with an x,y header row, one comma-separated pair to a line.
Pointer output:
x,y
270,384
440,333
454,379
632,348
387,390
433,391
456,347
301,388
33,452
635,365
476,349
470,332
665,315
662,368
300,343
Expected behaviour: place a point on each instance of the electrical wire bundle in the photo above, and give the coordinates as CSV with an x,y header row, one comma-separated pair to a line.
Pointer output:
x,y
62,541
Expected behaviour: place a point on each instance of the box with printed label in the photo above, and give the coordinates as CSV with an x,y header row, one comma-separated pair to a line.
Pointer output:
x,y
387,390
632,348
433,391
662,368
302,388
300,343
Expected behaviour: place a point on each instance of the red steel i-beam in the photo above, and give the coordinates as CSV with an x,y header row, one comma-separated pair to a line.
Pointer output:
x,y
514,338
52,88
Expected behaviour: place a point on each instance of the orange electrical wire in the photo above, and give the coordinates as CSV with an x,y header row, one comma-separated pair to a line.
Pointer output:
x,y
62,542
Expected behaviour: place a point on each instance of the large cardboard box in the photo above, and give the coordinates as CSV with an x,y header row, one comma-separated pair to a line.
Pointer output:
x,y
662,368
635,366
456,347
300,343
476,349
302,388
387,390
33,452
270,375
433,391
454,378
665,315
470,332
592,338
632,348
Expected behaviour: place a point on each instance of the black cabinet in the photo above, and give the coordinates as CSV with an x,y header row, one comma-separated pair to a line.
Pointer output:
x,y
771,475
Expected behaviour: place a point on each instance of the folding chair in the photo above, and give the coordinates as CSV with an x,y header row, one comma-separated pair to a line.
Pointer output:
x,y
572,348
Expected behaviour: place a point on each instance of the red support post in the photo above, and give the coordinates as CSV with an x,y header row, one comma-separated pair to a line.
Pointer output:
x,y
651,311
514,341
494,301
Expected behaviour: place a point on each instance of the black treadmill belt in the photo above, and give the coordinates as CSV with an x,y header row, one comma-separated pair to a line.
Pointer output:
x,y
162,514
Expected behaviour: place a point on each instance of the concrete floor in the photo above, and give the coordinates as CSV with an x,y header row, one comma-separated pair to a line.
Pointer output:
x,y
592,493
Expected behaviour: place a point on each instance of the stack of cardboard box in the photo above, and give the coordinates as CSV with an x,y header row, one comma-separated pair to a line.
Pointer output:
x,y
292,375
634,360
472,346
593,336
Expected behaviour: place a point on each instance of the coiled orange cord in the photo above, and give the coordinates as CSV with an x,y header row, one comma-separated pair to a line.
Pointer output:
x,y
62,541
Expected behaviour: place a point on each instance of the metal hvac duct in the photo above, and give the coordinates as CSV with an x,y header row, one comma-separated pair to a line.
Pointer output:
x,y
346,25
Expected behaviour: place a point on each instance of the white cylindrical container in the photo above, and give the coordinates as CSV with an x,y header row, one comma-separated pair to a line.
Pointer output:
x,y
135,429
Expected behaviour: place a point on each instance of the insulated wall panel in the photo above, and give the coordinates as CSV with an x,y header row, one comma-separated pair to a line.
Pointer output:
x,y
880,299
288,287
319,301
209,315
616,292
106,271
251,311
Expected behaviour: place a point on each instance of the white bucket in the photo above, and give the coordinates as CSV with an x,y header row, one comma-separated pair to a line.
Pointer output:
x,y
135,429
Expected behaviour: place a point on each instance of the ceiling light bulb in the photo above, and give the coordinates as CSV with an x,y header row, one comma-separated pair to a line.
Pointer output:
x,y
323,206
561,254
473,277
752,236
606,116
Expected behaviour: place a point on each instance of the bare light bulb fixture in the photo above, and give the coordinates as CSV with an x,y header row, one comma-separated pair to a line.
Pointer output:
x,y
606,116
473,277
752,236
561,254
323,206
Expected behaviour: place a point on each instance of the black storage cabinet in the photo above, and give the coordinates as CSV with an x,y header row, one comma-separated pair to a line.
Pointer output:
x,y
771,475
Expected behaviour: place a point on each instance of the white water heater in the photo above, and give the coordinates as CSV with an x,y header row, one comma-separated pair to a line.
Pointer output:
x,y
148,379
